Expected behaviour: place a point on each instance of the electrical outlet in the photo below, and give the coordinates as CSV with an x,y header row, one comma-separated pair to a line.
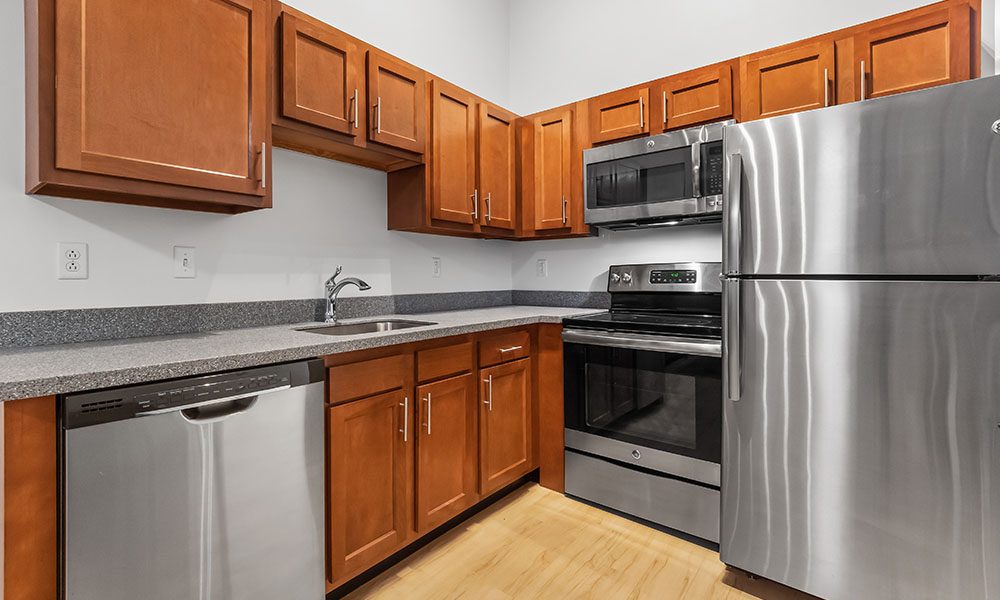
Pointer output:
x,y
542,267
184,263
435,266
71,260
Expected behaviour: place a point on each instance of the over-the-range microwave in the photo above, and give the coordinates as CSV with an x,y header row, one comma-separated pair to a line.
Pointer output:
x,y
674,178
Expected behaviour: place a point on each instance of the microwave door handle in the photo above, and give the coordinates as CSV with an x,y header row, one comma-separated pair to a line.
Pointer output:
x,y
731,226
696,169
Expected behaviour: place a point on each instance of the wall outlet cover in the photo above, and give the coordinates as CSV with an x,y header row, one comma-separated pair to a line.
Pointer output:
x,y
72,260
184,263
542,267
435,266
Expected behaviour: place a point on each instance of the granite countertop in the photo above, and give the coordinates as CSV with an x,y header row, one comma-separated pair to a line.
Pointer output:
x,y
48,370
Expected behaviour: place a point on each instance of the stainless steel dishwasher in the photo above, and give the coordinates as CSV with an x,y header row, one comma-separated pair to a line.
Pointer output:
x,y
209,488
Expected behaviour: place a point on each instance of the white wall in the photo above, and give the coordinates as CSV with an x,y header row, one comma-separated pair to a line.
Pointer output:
x,y
325,213
565,50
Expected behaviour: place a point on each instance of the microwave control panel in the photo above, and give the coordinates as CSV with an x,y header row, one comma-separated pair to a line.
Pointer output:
x,y
712,168
680,276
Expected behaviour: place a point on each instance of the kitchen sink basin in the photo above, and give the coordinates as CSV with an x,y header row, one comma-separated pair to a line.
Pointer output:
x,y
366,327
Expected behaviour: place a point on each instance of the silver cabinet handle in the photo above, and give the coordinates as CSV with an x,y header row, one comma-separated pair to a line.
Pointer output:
x,y
564,210
731,227
863,90
406,419
826,87
664,108
489,393
475,204
355,101
511,349
378,114
428,401
732,349
642,115
263,165
489,207
696,169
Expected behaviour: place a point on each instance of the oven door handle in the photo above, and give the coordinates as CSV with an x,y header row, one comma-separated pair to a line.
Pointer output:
x,y
638,341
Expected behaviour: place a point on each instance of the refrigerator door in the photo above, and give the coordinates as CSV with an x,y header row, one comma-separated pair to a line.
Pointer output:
x,y
903,185
860,447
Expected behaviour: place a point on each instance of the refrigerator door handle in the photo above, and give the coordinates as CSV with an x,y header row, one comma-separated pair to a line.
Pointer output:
x,y
731,221
733,345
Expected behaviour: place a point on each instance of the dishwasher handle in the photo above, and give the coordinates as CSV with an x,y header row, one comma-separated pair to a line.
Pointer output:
x,y
217,411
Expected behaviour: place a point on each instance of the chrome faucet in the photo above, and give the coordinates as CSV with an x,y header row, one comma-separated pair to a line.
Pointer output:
x,y
333,288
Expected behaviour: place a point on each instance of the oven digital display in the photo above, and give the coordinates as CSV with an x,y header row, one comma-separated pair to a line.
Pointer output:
x,y
679,276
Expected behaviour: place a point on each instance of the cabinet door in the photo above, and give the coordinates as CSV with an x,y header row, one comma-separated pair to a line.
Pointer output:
x,y
504,424
910,54
370,481
553,156
184,102
619,115
788,81
396,95
453,154
695,97
496,166
322,78
446,450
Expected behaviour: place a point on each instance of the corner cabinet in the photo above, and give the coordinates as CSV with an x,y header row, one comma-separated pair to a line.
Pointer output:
x,y
467,185
116,112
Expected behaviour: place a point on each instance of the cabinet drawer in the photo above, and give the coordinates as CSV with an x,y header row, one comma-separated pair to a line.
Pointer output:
x,y
366,378
435,363
502,348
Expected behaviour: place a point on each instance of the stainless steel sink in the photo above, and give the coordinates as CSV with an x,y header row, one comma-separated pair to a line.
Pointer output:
x,y
366,327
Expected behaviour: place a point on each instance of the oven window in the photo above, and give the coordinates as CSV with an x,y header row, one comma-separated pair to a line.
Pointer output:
x,y
646,179
671,402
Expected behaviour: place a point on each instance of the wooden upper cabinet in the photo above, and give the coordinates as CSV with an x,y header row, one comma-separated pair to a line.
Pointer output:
x,y
396,97
694,97
505,426
453,154
788,80
620,114
497,155
172,93
322,74
446,450
370,466
553,158
904,53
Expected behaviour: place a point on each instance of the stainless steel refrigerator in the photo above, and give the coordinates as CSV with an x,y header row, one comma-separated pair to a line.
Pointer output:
x,y
861,451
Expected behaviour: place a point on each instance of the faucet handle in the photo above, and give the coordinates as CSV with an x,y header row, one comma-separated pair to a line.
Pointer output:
x,y
340,269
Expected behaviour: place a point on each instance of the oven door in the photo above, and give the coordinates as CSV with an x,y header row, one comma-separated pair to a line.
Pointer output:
x,y
649,400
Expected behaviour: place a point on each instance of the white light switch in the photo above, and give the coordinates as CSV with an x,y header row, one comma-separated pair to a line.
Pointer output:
x,y
71,260
184,263
542,267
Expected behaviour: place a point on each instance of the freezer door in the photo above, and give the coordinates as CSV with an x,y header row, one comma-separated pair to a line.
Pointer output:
x,y
860,451
903,185
175,506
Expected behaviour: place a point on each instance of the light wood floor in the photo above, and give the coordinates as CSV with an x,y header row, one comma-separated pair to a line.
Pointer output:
x,y
536,543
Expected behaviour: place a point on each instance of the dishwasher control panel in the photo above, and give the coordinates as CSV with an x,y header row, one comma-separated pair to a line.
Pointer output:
x,y
91,408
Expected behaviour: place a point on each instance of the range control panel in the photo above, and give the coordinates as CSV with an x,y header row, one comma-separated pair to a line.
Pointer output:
x,y
193,394
666,277
669,276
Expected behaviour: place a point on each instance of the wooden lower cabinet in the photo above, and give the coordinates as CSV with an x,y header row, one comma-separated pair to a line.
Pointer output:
x,y
370,466
505,424
446,450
